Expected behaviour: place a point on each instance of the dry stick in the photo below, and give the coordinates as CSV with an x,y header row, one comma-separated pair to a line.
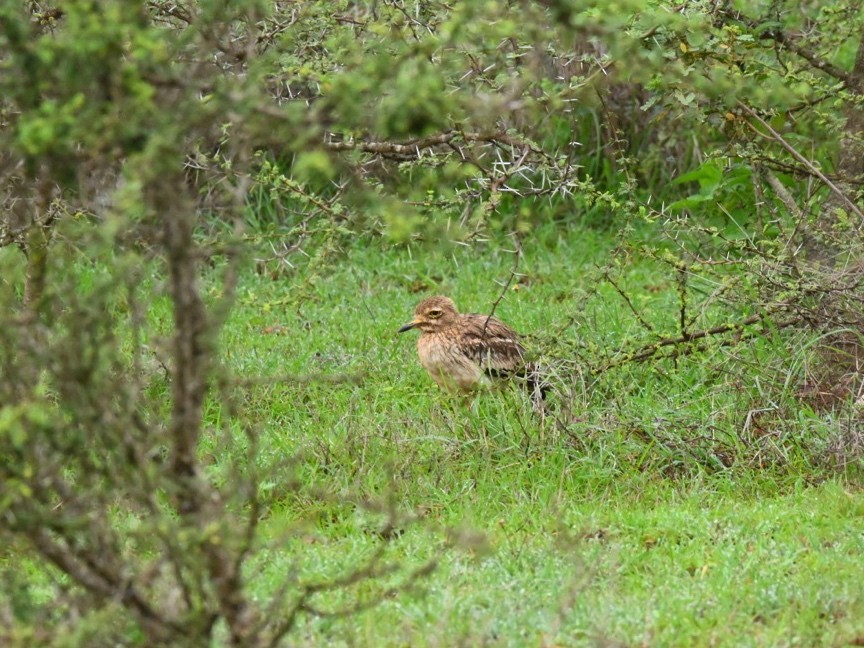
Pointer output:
x,y
803,160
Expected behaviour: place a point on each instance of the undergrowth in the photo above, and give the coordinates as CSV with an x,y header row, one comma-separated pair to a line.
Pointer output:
x,y
689,501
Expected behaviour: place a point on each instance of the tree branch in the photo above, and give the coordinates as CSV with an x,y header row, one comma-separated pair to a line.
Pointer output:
x,y
777,137
412,148
650,350
793,45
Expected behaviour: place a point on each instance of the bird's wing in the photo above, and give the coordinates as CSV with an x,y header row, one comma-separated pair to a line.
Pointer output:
x,y
493,345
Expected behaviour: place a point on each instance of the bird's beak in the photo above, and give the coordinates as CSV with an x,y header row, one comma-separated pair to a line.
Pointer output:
x,y
409,326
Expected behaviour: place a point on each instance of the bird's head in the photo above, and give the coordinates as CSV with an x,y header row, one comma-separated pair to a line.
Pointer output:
x,y
433,314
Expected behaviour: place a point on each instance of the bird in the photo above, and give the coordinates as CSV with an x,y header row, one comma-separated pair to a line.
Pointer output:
x,y
464,352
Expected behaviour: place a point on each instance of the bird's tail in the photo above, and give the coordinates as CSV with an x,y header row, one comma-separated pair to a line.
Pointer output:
x,y
533,378
535,381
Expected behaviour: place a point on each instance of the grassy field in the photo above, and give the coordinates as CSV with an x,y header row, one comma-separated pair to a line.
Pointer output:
x,y
676,505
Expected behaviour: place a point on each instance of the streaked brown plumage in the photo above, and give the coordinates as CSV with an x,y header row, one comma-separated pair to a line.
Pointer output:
x,y
462,351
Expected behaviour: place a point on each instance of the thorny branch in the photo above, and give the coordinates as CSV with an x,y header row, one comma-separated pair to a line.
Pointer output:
x,y
413,149
777,137
648,351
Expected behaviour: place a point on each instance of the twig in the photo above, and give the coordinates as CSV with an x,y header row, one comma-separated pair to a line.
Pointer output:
x,y
627,300
513,272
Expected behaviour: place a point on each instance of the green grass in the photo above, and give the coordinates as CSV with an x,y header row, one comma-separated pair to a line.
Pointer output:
x,y
679,503
651,516
685,566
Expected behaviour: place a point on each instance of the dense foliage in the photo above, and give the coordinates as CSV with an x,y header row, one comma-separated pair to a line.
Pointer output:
x,y
152,151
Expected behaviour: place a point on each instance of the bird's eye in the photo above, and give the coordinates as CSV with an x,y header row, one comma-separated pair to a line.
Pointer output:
x,y
435,314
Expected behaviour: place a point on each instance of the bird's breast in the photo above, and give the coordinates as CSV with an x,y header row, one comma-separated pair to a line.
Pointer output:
x,y
446,363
